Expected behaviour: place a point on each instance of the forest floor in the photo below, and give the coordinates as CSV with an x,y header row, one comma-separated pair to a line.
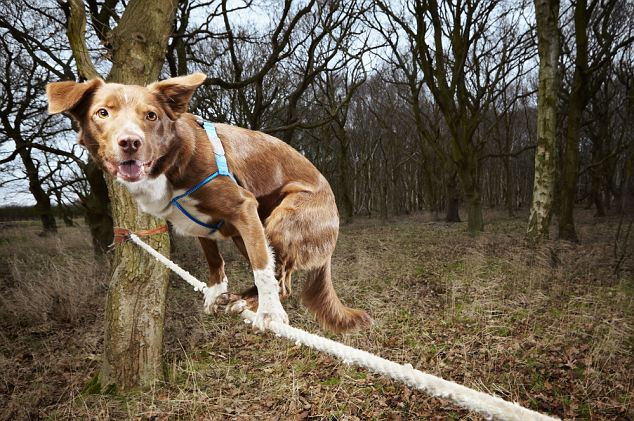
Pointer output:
x,y
552,329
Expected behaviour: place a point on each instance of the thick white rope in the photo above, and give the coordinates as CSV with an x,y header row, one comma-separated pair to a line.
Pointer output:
x,y
491,407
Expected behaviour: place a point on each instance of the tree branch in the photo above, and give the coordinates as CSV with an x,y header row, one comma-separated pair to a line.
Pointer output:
x,y
77,38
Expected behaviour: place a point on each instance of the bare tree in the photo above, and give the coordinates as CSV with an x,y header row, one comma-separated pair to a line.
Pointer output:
x,y
38,28
19,86
597,39
547,13
336,89
403,61
135,308
464,63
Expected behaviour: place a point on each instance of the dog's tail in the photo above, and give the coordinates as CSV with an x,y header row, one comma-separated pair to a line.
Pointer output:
x,y
321,299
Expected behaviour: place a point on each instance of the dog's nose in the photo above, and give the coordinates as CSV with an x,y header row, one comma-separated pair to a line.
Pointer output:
x,y
130,144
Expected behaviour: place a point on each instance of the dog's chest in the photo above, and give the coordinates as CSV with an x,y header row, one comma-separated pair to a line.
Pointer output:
x,y
154,197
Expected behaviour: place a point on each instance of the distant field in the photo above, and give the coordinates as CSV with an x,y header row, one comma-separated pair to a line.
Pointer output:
x,y
552,329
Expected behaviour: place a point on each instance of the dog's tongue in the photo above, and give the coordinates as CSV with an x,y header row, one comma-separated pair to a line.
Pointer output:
x,y
130,169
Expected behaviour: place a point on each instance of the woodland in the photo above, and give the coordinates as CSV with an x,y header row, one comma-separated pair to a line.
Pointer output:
x,y
485,148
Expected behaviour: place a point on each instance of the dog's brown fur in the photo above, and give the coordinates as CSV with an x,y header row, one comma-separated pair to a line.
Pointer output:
x,y
281,197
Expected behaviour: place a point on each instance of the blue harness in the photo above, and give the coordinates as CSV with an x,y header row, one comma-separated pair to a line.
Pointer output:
x,y
223,169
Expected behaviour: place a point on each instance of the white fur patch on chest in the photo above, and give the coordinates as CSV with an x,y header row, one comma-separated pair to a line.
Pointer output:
x,y
154,197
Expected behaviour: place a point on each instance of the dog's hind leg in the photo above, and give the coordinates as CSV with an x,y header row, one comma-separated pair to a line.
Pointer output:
x,y
303,229
285,273
217,281
250,295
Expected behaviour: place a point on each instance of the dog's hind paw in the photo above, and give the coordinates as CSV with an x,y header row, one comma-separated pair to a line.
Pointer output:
x,y
234,303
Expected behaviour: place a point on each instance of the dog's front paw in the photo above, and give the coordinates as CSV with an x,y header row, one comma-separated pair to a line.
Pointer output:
x,y
271,312
211,296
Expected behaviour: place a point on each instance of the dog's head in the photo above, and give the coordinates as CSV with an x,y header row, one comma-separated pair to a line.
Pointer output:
x,y
127,129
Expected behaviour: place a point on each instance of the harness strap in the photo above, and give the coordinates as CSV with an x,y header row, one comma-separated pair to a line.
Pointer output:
x,y
223,170
219,151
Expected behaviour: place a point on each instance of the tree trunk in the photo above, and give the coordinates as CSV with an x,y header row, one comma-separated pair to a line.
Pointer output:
x,y
544,182
97,205
64,211
509,196
345,180
597,182
475,221
467,163
453,199
603,165
42,200
597,195
579,97
569,173
510,189
383,199
135,308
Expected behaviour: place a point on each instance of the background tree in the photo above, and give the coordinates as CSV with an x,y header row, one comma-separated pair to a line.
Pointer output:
x,y
464,63
35,32
335,91
406,73
22,123
547,14
598,37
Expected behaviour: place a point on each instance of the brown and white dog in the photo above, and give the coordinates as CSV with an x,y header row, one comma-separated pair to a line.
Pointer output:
x,y
145,138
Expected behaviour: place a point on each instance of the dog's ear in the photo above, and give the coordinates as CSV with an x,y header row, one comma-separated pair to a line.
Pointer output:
x,y
176,92
63,97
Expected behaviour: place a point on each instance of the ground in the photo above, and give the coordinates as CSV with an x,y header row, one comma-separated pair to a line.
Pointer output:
x,y
551,328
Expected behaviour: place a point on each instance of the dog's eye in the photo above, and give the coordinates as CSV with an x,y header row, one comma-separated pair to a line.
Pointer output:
x,y
102,113
151,115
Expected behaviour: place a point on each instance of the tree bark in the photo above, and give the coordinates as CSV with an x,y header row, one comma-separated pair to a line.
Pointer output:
x,y
465,157
97,204
509,197
596,172
579,97
76,33
135,308
42,200
345,178
470,184
453,200
547,12
67,216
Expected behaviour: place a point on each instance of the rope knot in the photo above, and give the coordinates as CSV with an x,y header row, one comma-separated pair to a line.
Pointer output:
x,y
121,235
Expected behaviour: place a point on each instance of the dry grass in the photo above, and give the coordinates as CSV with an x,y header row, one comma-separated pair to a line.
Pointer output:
x,y
552,329
46,279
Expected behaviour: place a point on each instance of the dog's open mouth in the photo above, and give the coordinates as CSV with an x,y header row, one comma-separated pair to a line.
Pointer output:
x,y
133,170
